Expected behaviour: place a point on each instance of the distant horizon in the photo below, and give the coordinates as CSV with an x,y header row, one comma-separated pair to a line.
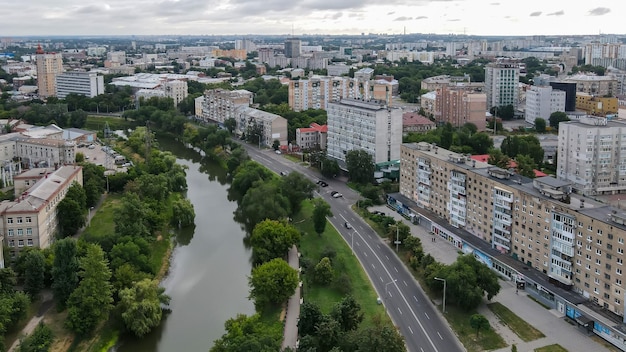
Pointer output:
x,y
483,18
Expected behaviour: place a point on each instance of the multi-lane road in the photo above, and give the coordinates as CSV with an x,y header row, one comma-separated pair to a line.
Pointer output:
x,y
419,322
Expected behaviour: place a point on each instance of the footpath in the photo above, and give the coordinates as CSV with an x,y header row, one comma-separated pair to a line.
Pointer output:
x,y
290,338
549,322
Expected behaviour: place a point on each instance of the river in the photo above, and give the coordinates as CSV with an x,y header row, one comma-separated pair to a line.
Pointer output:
x,y
207,280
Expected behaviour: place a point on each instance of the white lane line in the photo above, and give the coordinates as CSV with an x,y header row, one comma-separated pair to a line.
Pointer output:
x,y
395,268
405,284
439,335
399,311
357,243
415,299
377,245
386,257
421,349
373,267
411,330
381,279
365,253
426,314
391,296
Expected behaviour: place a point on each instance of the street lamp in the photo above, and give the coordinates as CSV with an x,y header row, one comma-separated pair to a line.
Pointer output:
x,y
397,237
387,285
89,217
444,293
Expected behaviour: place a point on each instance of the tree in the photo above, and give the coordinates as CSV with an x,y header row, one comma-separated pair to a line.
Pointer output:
x,y
296,188
272,282
481,142
329,167
71,217
479,322
399,232
328,333
140,306
360,166
320,212
245,333
526,166
347,313
39,341
183,214
130,217
247,174
263,201
379,337
323,272
499,159
77,193
34,272
540,125
64,270
92,300
230,124
556,118
310,316
447,136
272,239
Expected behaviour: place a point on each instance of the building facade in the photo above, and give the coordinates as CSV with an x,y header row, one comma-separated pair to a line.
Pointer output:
x,y
594,85
592,155
501,81
364,125
220,104
38,152
31,220
88,84
595,105
458,106
49,65
414,122
292,47
313,137
272,127
541,101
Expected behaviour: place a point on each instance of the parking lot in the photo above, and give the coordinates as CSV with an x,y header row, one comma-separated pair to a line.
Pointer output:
x,y
96,155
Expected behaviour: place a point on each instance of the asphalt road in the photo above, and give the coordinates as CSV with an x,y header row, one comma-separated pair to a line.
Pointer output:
x,y
420,323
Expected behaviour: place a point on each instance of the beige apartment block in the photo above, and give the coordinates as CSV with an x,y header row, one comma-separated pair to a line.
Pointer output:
x,y
31,220
575,241
460,105
219,105
49,65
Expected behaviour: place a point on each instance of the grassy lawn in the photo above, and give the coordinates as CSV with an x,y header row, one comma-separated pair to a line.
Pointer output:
x,y
551,348
312,246
459,320
520,327
103,223
96,123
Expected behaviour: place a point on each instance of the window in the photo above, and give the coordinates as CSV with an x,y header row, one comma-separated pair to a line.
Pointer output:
x,y
20,232
20,243
29,231
620,261
29,219
10,232
19,219
11,243
9,220
29,242
618,271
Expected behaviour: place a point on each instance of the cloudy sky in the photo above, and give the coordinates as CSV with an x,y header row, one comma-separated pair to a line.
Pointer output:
x,y
476,17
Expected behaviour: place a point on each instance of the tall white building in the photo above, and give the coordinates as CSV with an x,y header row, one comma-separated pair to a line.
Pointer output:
x,y
541,101
49,65
366,125
592,155
88,84
501,81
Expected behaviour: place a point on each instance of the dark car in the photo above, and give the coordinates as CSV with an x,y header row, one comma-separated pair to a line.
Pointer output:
x,y
322,183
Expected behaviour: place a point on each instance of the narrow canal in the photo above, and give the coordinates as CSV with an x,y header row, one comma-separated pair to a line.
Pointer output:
x,y
209,266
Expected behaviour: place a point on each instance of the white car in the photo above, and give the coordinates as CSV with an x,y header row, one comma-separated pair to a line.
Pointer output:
x,y
337,195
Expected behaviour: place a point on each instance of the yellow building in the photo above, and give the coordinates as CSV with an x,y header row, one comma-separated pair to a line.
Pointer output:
x,y
49,65
594,105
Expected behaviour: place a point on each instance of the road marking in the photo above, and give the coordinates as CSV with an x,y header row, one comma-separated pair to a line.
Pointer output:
x,y
422,349
357,243
395,268
415,299
373,267
377,245
439,335
405,284
426,314
365,253
381,279
399,311
411,330
391,296
386,257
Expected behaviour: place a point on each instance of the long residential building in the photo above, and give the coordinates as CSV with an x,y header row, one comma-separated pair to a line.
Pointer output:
x,y
272,127
219,105
364,125
89,84
31,220
564,249
459,105
594,85
592,155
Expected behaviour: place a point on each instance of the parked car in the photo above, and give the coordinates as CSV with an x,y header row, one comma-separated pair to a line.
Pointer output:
x,y
283,173
337,195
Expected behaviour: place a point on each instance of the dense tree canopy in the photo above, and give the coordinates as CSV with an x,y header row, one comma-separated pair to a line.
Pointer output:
x,y
140,306
249,334
272,282
296,188
64,270
360,165
272,239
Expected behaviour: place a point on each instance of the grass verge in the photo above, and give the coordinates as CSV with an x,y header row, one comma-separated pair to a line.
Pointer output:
x,y
551,348
486,340
103,222
521,328
346,265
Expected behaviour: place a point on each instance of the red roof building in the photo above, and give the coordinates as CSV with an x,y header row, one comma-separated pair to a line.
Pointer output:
x,y
414,122
313,137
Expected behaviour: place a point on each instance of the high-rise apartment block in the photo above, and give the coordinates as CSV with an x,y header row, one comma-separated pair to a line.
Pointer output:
x,y
292,47
49,65
541,101
220,104
501,84
566,249
594,85
363,125
88,84
592,155
460,105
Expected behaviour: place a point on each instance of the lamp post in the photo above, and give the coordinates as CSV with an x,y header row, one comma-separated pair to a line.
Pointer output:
x,y
387,285
397,237
89,217
444,293
107,177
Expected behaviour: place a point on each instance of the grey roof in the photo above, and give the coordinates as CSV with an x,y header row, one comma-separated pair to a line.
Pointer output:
x,y
553,182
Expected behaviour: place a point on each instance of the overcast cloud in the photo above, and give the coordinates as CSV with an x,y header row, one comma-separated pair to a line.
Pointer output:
x,y
154,17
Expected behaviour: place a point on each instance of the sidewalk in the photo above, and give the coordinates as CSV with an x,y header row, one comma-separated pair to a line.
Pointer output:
x,y
46,304
549,322
293,308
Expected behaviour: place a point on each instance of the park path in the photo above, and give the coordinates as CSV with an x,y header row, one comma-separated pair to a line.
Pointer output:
x,y
290,336
46,304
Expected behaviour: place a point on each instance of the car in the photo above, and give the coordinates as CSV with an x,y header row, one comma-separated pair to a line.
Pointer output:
x,y
86,157
322,183
283,173
278,152
347,225
337,195
333,193
91,146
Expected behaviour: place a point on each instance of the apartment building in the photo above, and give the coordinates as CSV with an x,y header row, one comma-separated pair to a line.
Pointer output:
x,y
292,47
88,84
31,220
595,105
564,249
501,83
594,85
312,137
220,104
541,101
44,151
414,122
460,105
273,127
592,155
49,65
366,125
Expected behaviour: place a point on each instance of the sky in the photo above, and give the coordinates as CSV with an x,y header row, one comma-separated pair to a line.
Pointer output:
x,y
207,17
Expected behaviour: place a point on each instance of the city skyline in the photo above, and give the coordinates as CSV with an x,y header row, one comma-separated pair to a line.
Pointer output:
x,y
233,17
